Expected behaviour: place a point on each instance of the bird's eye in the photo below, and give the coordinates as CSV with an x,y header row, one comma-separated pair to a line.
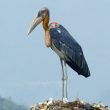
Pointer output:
x,y
39,13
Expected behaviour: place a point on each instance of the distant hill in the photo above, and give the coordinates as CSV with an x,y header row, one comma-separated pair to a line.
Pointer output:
x,y
8,104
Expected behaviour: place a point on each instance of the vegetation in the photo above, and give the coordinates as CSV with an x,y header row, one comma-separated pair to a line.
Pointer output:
x,y
8,104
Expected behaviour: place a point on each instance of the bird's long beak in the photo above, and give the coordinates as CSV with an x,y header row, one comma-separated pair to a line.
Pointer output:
x,y
35,22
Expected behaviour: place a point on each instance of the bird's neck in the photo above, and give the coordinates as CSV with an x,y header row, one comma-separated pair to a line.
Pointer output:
x,y
45,23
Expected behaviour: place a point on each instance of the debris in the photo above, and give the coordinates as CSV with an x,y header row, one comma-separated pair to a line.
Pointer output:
x,y
65,105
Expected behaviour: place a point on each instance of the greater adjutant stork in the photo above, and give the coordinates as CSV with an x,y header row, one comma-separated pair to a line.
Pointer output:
x,y
67,48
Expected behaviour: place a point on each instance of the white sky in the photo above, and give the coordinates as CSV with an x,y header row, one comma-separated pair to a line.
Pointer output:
x,y
29,72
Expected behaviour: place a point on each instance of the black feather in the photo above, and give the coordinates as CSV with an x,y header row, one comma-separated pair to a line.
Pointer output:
x,y
72,51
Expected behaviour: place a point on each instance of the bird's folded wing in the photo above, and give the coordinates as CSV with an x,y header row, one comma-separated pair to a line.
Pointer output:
x,y
65,43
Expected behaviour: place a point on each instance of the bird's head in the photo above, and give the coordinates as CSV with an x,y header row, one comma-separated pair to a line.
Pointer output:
x,y
43,15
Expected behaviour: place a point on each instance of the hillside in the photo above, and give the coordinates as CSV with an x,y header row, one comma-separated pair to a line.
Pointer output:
x,y
8,104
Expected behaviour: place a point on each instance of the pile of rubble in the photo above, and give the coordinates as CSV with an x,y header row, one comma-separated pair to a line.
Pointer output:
x,y
65,105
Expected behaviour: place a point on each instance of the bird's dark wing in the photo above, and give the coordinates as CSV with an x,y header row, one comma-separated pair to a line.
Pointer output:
x,y
66,44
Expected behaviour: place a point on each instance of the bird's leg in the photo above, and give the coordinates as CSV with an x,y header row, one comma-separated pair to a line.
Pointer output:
x,y
62,78
66,79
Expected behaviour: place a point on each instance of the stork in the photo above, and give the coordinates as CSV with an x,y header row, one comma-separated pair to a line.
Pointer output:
x,y
66,47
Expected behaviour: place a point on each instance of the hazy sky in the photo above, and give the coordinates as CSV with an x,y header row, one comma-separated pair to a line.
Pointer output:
x,y
29,72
